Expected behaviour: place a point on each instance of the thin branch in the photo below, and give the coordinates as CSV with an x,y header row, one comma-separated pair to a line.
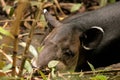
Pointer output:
x,y
25,53
22,5
57,4
22,20
67,6
26,34
8,57
91,72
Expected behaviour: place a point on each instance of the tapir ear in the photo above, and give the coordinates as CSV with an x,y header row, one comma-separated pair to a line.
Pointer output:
x,y
51,20
91,38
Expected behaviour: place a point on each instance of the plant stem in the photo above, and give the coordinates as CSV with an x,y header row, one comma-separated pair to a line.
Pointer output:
x,y
25,53
22,5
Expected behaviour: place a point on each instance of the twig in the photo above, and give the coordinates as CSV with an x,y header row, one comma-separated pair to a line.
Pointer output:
x,y
38,14
22,5
6,23
57,4
21,20
91,72
26,34
8,57
67,6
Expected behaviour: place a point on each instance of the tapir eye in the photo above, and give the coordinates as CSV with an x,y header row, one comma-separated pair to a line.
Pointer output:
x,y
68,53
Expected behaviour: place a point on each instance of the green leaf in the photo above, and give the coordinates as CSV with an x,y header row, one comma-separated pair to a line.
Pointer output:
x,y
53,73
112,1
99,77
40,48
5,32
53,63
2,64
91,66
1,37
43,75
28,67
75,7
7,7
7,67
42,18
32,49
11,11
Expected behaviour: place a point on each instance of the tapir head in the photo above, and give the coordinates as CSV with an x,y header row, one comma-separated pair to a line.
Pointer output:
x,y
66,43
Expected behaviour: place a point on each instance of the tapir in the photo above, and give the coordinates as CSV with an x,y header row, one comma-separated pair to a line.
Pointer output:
x,y
92,37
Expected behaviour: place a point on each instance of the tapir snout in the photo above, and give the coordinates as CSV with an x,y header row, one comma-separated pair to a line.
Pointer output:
x,y
57,46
